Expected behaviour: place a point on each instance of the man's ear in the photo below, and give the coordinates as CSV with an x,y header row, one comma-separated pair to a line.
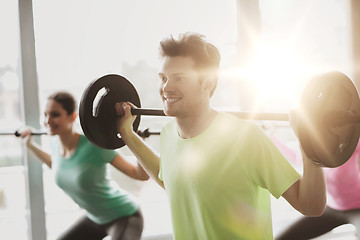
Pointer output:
x,y
209,82
74,115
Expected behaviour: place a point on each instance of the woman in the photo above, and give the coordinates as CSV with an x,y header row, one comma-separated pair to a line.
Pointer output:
x,y
80,170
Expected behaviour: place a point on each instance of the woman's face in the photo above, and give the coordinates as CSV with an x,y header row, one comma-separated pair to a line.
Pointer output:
x,y
57,119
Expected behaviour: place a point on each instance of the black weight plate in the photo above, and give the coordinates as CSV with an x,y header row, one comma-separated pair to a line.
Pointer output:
x,y
328,97
99,122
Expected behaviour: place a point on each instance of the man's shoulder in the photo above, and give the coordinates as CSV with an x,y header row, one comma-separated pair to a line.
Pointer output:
x,y
237,123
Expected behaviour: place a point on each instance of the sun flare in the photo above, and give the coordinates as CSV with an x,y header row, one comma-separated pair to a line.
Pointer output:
x,y
272,73
274,76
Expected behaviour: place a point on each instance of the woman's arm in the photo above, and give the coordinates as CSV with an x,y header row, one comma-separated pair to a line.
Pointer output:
x,y
134,171
41,154
35,148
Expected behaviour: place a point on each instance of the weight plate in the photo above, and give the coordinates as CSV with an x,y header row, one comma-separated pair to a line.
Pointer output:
x,y
97,109
327,99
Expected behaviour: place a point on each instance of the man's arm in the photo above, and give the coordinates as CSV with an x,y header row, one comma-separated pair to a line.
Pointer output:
x,y
148,159
358,163
308,194
133,171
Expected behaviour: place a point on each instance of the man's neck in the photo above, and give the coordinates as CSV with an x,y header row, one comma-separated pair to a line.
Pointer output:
x,y
192,126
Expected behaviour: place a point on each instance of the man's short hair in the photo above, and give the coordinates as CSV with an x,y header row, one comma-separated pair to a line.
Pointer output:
x,y
194,45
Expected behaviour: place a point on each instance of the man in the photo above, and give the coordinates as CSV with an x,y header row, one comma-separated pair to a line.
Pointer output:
x,y
217,169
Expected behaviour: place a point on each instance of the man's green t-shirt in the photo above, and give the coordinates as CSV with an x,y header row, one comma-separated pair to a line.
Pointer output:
x,y
218,182
85,178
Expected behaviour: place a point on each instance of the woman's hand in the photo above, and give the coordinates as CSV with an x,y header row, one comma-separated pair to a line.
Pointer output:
x,y
25,134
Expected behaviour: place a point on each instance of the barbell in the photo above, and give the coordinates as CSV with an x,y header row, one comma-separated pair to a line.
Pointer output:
x,y
142,133
328,115
17,133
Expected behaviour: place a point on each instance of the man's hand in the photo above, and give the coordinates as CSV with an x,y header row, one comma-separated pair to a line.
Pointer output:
x,y
148,159
124,123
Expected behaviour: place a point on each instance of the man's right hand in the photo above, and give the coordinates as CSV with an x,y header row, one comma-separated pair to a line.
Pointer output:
x,y
149,160
124,123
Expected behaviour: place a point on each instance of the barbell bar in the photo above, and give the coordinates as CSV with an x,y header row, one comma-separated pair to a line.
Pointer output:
x,y
17,134
338,117
243,115
142,133
328,115
147,132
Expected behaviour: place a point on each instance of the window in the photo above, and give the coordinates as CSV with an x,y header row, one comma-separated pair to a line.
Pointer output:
x,y
13,223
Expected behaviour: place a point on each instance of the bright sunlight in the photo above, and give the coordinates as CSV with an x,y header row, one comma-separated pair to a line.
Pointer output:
x,y
273,73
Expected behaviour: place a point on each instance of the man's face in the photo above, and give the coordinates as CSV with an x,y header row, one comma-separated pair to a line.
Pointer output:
x,y
181,90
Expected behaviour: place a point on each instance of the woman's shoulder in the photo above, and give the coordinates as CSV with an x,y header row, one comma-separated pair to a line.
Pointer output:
x,y
85,144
